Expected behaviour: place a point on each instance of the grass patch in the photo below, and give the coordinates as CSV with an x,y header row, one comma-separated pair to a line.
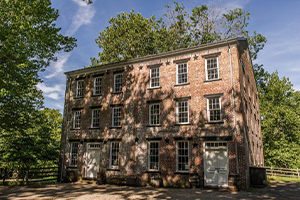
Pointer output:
x,y
279,178
20,183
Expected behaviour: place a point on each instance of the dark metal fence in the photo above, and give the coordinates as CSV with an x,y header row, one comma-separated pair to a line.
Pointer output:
x,y
26,176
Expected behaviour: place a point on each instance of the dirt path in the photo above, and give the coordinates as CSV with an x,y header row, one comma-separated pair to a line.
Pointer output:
x,y
276,190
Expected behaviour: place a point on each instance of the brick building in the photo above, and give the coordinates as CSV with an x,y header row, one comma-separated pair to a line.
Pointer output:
x,y
183,118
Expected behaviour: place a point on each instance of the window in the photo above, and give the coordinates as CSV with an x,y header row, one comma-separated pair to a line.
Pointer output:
x,y
182,156
114,155
118,82
74,153
97,85
79,89
76,119
182,112
182,73
212,68
214,109
154,112
154,77
116,117
95,118
153,159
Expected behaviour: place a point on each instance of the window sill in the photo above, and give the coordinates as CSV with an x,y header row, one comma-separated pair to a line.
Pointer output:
x,y
94,128
153,88
185,173
216,122
96,95
75,129
157,125
186,124
109,169
206,81
78,97
176,85
115,127
153,171
116,92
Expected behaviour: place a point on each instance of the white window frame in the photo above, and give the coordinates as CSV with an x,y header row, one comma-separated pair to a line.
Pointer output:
x,y
95,86
177,161
113,116
111,166
77,88
71,153
206,71
187,73
115,75
151,78
177,112
150,106
149,160
74,119
92,122
208,111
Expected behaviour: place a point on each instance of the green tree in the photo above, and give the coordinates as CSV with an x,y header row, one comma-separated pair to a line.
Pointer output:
x,y
37,145
130,35
29,40
280,122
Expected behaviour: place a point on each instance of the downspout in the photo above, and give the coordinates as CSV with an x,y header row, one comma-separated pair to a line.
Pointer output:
x,y
65,129
233,109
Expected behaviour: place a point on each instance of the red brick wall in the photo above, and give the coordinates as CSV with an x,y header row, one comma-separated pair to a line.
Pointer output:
x,y
136,93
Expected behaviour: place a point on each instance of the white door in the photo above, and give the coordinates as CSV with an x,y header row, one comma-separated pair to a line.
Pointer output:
x,y
92,160
216,164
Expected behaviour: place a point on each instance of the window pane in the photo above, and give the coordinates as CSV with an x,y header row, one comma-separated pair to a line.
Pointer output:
x,y
79,88
114,157
117,116
154,77
154,156
154,114
97,85
182,76
74,153
214,109
76,120
96,118
212,68
182,156
118,82
183,112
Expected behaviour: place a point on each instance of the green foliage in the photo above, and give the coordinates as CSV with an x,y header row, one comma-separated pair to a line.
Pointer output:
x,y
131,35
36,145
29,40
280,122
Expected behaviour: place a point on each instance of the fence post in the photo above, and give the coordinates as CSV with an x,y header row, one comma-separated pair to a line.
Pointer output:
x,y
271,171
26,175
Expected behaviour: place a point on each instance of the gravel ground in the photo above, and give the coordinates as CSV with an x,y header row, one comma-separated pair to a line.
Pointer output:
x,y
276,190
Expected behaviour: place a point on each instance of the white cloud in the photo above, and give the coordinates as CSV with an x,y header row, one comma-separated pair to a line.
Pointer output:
x,y
53,95
83,16
58,66
55,88
297,87
54,92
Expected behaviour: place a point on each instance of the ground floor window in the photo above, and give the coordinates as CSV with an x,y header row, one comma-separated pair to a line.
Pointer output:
x,y
114,155
153,159
74,153
182,156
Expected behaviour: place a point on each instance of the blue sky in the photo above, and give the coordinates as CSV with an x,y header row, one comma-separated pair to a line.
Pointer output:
x,y
278,20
